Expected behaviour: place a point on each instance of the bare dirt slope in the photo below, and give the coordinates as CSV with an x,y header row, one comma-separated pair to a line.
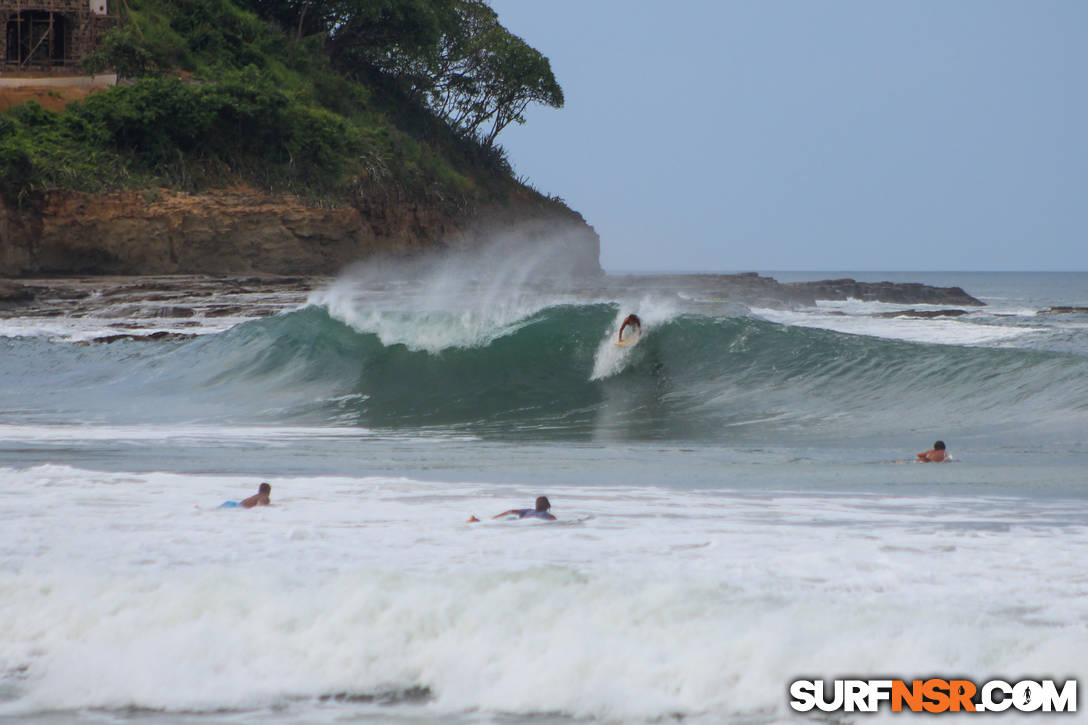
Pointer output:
x,y
55,98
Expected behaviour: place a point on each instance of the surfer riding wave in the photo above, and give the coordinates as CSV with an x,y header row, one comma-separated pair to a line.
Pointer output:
x,y
634,323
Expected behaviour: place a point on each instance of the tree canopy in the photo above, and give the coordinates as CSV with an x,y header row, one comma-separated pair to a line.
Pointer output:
x,y
327,98
453,56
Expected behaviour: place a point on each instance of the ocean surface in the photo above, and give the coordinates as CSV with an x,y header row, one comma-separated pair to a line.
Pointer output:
x,y
736,496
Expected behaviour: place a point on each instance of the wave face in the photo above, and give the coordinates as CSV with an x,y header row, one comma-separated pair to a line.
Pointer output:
x,y
549,371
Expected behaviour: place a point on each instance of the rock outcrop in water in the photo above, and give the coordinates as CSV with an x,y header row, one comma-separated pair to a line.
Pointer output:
x,y
921,314
757,290
12,294
906,293
180,299
247,231
1065,310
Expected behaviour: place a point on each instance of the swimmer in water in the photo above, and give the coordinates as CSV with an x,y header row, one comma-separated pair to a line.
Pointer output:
x,y
633,322
936,454
261,498
540,512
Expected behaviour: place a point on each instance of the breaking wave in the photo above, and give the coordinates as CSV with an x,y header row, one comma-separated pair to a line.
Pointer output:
x,y
548,371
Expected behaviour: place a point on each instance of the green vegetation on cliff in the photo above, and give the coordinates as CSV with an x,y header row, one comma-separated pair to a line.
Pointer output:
x,y
326,98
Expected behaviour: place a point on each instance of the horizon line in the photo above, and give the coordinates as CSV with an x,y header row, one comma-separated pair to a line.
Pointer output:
x,y
844,271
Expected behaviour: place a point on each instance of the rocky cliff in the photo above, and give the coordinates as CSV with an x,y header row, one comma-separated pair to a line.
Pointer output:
x,y
245,230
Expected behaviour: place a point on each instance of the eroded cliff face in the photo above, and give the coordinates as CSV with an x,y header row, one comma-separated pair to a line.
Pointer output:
x,y
244,231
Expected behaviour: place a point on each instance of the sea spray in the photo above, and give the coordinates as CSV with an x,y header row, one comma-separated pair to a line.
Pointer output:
x,y
612,358
435,302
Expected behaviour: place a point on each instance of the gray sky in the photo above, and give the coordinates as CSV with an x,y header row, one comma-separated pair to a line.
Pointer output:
x,y
771,135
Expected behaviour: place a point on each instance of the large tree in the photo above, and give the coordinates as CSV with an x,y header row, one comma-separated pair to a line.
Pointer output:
x,y
453,56
484,77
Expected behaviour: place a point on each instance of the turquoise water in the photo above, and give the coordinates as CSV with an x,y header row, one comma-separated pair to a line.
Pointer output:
x,y
736,492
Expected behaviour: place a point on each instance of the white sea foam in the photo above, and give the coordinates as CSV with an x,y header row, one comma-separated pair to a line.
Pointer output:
x,y
191,434
638,604
431,329
136,316
433,303
856,318
83,329
611,358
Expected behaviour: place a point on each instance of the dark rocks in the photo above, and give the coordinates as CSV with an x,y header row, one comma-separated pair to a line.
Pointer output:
x,y
154,336
199,299
906,293
921,314
12,294
239,311
1065,310
758,291
275,281
190,298
226,311
748,288
174,312
146,311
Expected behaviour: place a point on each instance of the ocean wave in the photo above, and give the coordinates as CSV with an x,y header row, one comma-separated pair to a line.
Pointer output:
x,y
552,370
640,604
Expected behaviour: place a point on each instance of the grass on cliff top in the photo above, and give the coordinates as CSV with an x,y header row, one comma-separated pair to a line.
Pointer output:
x,y
218,96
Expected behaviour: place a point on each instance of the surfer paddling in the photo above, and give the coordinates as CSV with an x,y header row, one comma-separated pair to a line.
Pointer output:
x,y
936,454
263,497
539,512
634,323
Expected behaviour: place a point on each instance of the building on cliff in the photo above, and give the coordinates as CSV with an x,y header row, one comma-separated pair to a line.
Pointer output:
x,y
50,36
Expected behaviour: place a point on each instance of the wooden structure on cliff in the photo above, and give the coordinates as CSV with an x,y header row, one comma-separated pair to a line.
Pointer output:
x,y
50,35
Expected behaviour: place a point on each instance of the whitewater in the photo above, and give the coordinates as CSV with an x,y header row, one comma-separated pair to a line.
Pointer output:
x,y
736,502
